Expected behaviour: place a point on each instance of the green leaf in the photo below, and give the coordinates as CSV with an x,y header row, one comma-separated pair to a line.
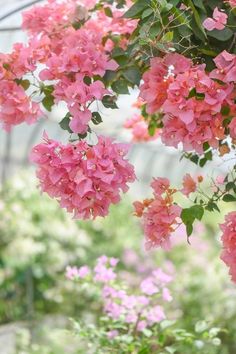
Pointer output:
x,y
109,76
108,11
198,211
196,17
174,2
147,13
201,326
64,123
120,87
24,83
48,102
189,215
109,102
211,206
133,75
223,35
229,198
87,80
96,118
199,4
152,129
225,110
229,186
135,10
168,37
194,159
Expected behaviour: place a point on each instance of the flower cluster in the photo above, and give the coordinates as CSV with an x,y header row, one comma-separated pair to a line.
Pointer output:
x,y
229,243
159,214
190,99
84,179
139,128
140,309
73,58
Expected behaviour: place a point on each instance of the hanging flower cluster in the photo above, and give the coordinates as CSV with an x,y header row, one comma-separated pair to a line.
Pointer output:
x,y
84,179
229,243
159,214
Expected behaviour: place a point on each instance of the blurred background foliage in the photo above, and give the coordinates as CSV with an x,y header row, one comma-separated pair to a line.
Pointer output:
x,y
38,240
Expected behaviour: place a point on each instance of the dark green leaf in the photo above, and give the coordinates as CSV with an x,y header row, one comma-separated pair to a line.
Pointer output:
x,y
48,102
225,110
108,11
138,7
87,80
133,75
202,162
189,229
229,198
199,4
120,87
212,206
223,35
24,83
198,211
96,118
196,17
109,102
230,185
64,123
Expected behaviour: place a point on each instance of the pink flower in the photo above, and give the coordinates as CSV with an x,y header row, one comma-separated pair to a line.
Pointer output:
x,y
148,287
158,78
139,129
83,272
85,179
226,67
75,273
228,238
189,185
103,273
220,179
72,272
114,261
112,334
79,122
155,315
166,295
218,21
232,128
160,185
142,325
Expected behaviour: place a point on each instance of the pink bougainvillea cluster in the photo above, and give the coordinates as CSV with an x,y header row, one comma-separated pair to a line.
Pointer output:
x,y
159,214
229,243
141,308
190,99
84,179
68,57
